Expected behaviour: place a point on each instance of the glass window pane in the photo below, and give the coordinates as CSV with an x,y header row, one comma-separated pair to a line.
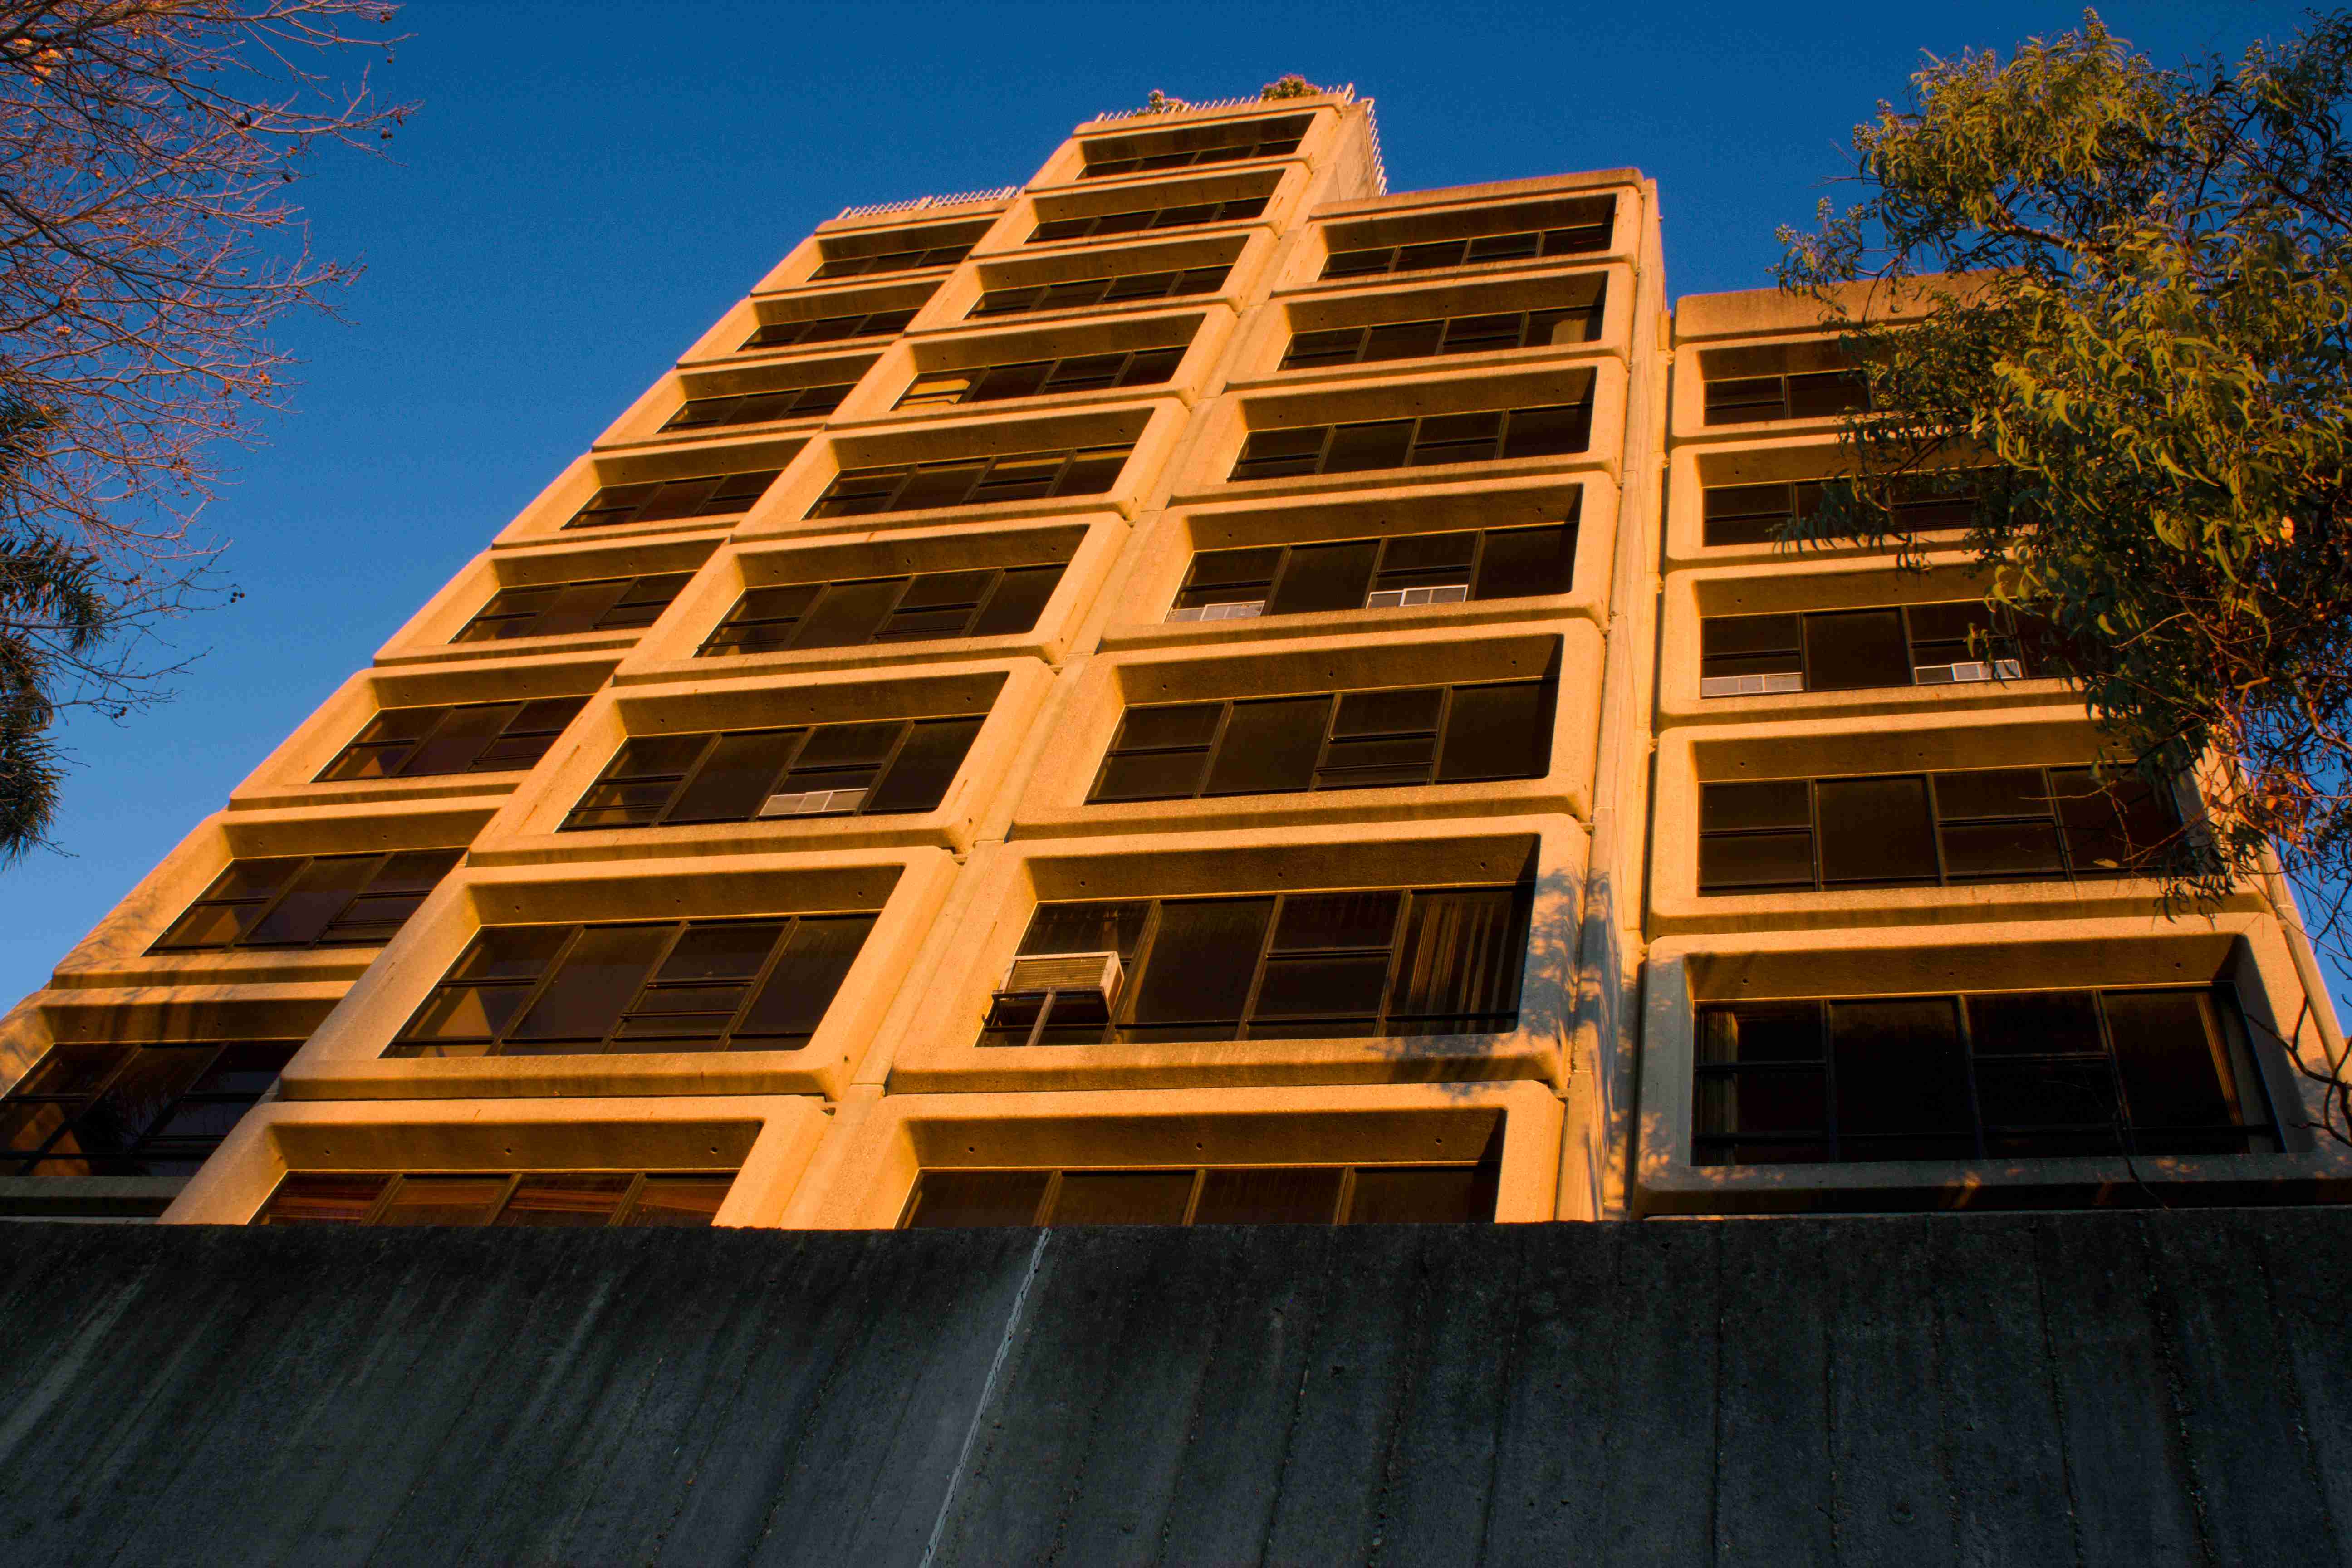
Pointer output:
x,y
1220,568
320,1197
1855,649
1269,747
1004,380
938,484
1498,733
1457,437
1122,1197
735,778
1324,577
1876,830
1152,775
1091,473
1431,1194
1902,1084
1202,963
1770,803
1733,862
2036,1107
925,766
208,925
1991,792
1309,1196
444,1200
2173,1064
682,1201
2112,825
1749,1033
583,1002
964,1198
458,741
1087,928
1018,600
1976,851
2035,1023
1542,431
1357,448
1403,339
849,613
317,897
809,970
565,1200
135,1099
1458,967
1525,562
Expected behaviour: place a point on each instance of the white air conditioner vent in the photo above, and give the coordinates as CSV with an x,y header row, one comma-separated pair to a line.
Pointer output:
x,y
1406,598
1240,610
1095,972
812,803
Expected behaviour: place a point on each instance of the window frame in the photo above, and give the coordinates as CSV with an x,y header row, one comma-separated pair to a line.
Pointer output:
x,y
909,581
626,600
976,377
623,1209
863,328
2009,656
355,747
266,904
1580,415
1935,824
988,463
687,778
1922,510
1253,145
2223,1013
1232,209
822,400
1175,289
1568,526
1549,243
1485,1173
1547,690
86,1101
1119,1028
718,500
1593,316
537,986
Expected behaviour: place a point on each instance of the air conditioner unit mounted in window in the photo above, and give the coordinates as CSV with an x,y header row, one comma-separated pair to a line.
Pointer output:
x,y
1242,610
1406,598
1967,670
1082,986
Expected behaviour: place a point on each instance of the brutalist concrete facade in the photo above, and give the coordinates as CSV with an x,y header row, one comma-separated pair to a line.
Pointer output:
x,y
848,370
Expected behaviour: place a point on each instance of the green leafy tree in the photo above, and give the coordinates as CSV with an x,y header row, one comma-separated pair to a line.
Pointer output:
x,y
2122,295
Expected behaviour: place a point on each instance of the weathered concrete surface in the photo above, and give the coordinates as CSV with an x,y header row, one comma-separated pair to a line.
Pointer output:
x,y
2092,1389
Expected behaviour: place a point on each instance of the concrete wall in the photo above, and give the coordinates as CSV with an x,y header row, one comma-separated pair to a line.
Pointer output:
x,y
2083,1388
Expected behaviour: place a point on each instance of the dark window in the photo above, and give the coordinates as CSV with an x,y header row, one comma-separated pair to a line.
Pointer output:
x,y
1510,245
666,500
659,985
1081,292
973,481
474,737
1185,216
1982,825
760,407
985,602
1451,335
1213,1194
1384,961
1040,378
1190,149
861,255
829,329
116,1109
745,776
1409,569
2000,1075
1755,514
1780,381
541,1198
561,609
1345,739
308,901
1958,642
1480,437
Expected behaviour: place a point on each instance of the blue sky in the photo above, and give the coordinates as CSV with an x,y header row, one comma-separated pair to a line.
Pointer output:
x,y
587,186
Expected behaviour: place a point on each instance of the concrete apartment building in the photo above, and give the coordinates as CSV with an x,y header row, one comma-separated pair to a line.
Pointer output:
x,y
1191,690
